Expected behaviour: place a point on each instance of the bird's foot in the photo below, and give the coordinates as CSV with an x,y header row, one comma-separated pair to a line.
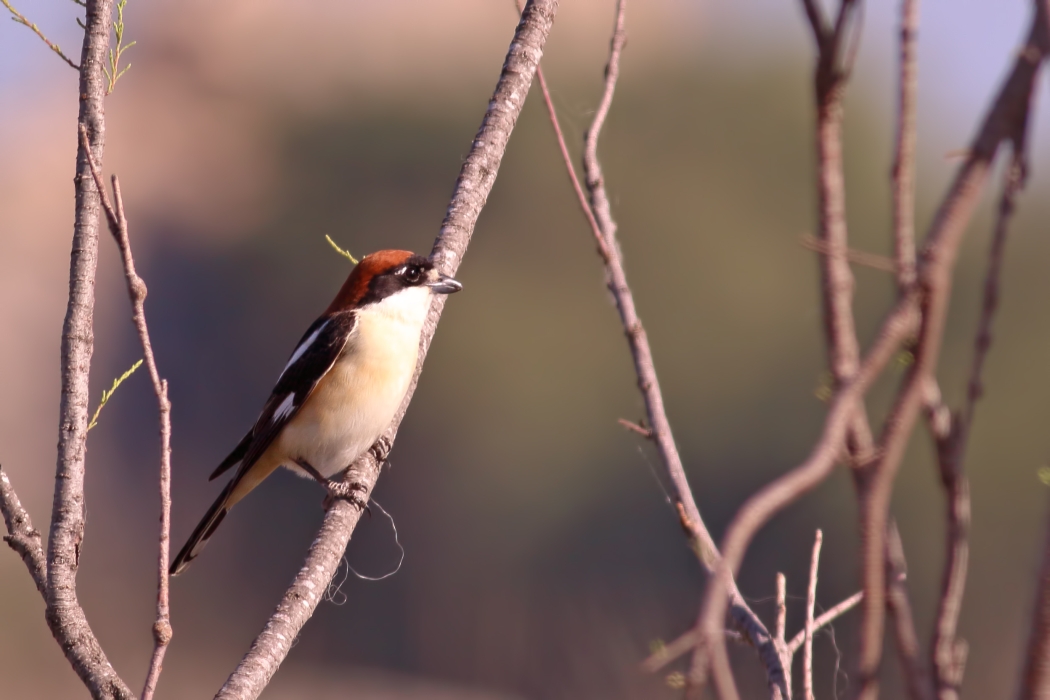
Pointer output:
x,y
346,491
380,450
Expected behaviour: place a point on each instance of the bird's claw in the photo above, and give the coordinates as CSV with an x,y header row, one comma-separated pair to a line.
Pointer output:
x,y
380,450
346,491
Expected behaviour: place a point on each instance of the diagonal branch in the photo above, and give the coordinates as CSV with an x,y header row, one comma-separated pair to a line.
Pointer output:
x,y
22,536
471,192
21,19
1035,684
1007,117
947,651
118,226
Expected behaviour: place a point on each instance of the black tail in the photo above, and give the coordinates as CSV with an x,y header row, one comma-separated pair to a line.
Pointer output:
x,y
203,532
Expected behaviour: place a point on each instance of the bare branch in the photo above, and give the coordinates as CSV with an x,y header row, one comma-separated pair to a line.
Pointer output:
x,y
759,508
915,677
826,618
118,226
472,189
817,22
947,651
599,239
21,19
857,257
836,276
780,629
603,227
811,601
64,615
21,535
1035,684
636,428
904,158
1006,120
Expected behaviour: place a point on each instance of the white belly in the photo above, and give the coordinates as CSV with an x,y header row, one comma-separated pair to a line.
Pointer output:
x,y
355,402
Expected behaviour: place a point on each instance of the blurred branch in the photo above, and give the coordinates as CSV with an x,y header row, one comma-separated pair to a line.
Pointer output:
x,y
837,282
118,226
826,618
1035,684
810,628
1006,120
904,158
17,16
899,607
475,181
22,536
771,499
857,257
947,651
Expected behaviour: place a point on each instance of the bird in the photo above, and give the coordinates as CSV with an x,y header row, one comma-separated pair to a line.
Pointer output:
x,y
340,388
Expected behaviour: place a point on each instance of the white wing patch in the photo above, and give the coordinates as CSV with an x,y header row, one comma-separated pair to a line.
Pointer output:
x,y
285,408
303,347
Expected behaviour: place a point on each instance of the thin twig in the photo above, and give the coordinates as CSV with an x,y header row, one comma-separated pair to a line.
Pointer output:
x,y
475,181
781,603
857,257
899,605
1035,683
636,428
826,618
599,239
759,508
118,226
603,227
904,158
811,601
21,19
21,535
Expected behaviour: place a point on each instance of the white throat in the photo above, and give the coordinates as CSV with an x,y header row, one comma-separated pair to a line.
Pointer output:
x,y
408,306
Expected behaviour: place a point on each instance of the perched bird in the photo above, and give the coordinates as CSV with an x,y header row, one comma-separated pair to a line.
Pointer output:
x,y
341,387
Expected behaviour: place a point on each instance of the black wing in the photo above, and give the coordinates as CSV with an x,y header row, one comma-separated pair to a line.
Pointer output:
x,y
314,355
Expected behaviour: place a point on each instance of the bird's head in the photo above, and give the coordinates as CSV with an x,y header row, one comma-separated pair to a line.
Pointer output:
x,y
387,273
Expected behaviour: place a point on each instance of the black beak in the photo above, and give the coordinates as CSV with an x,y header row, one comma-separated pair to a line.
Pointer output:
x,y
444,285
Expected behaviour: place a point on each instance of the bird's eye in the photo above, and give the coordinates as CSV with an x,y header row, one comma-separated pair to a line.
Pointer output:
x,y
412,274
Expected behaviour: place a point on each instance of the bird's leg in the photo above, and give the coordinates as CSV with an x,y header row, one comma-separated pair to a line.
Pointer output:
x,y
381,449
343,491
336,489
309,469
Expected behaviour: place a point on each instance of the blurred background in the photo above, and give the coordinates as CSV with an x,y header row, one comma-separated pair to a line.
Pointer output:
x,y
541,556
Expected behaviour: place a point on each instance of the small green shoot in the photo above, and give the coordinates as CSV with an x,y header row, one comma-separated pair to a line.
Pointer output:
x,y
17,16
112,72
1044,475
107,395
344,253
